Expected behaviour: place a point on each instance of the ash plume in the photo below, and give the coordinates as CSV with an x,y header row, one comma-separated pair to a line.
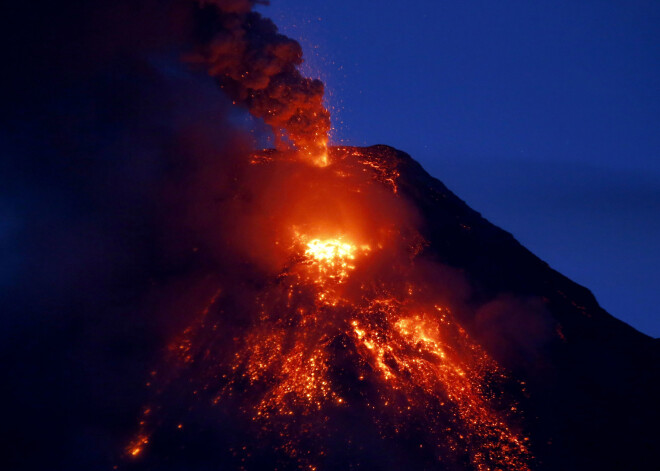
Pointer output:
x,y
258,68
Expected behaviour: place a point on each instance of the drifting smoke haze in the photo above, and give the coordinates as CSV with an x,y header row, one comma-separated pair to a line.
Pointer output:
x,y
121,171
102,130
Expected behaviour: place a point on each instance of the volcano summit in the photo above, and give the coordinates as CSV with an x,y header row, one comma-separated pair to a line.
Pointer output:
x,y
383,324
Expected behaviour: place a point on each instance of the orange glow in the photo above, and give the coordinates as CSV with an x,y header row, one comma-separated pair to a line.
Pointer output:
x,y
322,160
330,251
333,257
346,280
316,152
137,446
415,358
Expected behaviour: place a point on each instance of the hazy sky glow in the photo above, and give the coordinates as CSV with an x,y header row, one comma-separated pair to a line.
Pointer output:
x,y
544,116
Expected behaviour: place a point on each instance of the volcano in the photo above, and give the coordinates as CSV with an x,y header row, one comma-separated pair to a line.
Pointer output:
x,y
392,327
173,299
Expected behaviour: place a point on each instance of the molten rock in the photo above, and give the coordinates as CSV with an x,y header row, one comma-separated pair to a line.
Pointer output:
x,y
384,324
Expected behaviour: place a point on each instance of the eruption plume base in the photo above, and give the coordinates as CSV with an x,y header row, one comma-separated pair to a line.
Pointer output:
x,y
259,69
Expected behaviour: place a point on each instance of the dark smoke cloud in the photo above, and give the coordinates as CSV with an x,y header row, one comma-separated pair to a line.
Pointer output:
x,y
234,6
258,68
103,132
117,162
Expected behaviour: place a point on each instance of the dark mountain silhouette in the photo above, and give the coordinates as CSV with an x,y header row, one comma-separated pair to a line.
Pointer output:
x,y
593,386
579,385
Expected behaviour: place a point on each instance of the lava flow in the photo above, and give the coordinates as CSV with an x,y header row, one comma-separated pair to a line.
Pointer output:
x,y
346,342
333,343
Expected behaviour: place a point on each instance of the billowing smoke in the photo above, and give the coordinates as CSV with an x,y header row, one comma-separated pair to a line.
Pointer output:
x,y
258,68
101,128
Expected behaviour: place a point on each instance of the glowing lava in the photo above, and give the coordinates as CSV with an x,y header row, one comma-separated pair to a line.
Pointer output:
x,y
321,158
330,252
332,258
350,336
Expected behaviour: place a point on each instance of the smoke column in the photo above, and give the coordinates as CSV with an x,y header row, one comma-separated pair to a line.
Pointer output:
x,y
258,68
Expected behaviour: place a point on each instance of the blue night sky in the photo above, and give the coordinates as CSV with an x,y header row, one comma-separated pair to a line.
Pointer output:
x,y
543,116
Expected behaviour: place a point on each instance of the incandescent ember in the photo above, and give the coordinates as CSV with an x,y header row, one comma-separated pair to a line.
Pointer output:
x,y
346,343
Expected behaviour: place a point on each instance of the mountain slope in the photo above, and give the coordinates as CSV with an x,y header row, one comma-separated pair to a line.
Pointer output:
x,y
370,319
593,384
